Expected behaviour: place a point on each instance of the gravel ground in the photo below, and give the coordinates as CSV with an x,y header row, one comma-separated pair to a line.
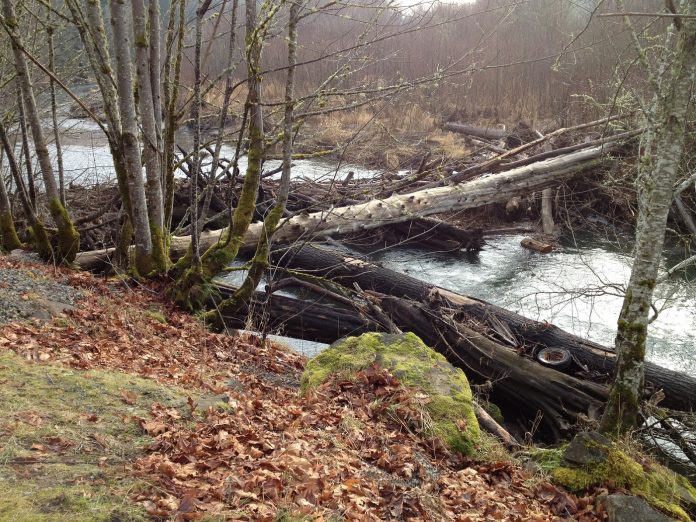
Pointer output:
x,y
26,294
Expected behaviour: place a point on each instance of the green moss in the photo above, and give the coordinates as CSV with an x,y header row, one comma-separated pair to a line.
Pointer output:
x,y
657,485
160,252
547,458
415,365
156,315
68,236
66,438
8,233
494,411
42,244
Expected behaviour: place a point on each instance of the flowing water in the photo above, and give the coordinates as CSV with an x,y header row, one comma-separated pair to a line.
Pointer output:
x,y
578,288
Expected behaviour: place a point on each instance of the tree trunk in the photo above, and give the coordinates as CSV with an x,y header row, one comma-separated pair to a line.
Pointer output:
x,y
151,135
50,28
26,149
191,288
68,239
547,211
661,150
260,260
8,234
172,74
129,137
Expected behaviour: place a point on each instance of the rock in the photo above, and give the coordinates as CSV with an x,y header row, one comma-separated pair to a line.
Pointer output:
x,y
414,365
587,448
45,309
625,508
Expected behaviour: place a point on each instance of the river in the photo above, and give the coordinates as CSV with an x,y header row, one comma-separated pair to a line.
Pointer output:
x,y
578,287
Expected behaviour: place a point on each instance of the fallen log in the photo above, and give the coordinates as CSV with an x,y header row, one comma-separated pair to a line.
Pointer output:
x,y
505,326
487,133
399,208
317,319
520,387
537,246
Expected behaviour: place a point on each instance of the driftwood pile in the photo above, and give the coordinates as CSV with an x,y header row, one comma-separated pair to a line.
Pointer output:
x,y
337,295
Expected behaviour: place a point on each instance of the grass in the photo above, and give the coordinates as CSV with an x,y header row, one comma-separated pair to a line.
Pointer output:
x,y
66,439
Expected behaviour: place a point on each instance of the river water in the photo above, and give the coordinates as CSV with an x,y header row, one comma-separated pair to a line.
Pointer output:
x,y
578,287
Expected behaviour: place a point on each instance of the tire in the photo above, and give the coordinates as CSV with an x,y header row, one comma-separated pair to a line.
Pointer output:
x,y
556,358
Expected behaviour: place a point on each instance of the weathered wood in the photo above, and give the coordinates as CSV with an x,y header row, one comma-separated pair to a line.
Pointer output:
x,y
488,133
403,207
547,223
537,246
489,424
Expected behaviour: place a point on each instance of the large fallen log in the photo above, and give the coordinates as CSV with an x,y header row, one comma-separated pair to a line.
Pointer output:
x,y
401,207
520,387
506,327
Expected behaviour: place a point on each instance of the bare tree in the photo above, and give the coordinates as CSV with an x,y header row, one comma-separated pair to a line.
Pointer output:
x,y
151,132
260,261
120,22
68,239
661,150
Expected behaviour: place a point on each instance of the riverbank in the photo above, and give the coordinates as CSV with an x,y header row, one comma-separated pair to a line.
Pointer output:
x,y
126,406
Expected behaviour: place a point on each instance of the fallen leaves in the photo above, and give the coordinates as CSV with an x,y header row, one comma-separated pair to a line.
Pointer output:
x,y
348,449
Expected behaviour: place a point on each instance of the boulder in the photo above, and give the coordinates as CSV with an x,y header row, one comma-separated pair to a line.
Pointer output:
x,y
627,508
415,365
587,448
591,461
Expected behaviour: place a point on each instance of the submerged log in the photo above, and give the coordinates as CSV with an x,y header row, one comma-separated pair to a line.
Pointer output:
x,y
505,326
399,208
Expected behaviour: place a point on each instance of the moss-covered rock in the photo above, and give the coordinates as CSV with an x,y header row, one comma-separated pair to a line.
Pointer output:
x,y
660,487
415,365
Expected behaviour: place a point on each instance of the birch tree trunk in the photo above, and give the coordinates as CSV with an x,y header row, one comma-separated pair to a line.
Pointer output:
x,y
68,239
129,136
196,157
156,80
661,150
151,135
172,73
26,150
224,110
90,26
50,29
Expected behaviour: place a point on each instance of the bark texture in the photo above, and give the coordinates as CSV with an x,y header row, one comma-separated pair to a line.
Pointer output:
x,y
661,150
121,25
151,132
